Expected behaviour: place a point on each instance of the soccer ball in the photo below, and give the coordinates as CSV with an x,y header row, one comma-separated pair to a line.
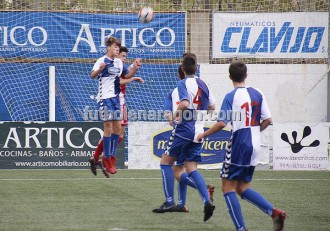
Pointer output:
x,y
146,14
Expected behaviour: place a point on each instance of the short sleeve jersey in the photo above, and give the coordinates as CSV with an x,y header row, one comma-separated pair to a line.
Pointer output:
x,y
244,108
199,97
109,85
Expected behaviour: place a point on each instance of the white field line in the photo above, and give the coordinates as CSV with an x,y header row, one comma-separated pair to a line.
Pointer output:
x,y
140,178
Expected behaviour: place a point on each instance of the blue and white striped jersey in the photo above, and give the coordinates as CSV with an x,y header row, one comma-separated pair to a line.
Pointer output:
x,y
196,92
109,85
172,100
247,107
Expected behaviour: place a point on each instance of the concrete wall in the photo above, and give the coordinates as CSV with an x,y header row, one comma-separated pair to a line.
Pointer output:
x,y
199,29
294,92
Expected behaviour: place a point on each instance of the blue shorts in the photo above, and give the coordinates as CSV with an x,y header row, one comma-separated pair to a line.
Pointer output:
x,y
179,161
110,109
183,149
234,172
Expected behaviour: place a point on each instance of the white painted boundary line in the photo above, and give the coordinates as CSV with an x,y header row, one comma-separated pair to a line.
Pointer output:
x,y
81,179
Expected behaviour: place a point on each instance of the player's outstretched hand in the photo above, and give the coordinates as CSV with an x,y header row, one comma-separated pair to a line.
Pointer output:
x,y
138,79
137,63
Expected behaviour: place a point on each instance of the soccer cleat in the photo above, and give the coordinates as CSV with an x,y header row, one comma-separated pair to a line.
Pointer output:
x,y
177,208
210,189
278,219
93,165
208,211
164,208
109,164
104,170
112,166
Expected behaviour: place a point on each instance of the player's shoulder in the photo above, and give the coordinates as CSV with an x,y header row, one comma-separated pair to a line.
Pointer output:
x,y
201,83
118,60
254,90
172,91
230,95
182,81
101,59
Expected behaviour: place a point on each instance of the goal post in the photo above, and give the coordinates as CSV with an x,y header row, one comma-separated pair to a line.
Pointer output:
x,y
52,106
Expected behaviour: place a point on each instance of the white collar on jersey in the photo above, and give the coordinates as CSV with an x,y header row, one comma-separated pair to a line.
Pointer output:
x,y
190,76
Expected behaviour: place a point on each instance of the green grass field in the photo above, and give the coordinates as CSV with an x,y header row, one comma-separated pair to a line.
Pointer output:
x,y
76,200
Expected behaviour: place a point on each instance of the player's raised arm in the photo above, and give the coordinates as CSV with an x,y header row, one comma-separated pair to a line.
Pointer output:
x,y
97,70
214,129
133,68
126,81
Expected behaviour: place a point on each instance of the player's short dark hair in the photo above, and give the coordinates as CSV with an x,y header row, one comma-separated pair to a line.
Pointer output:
x,y
238,71
123,49
112,40
184,54
189,64
180,72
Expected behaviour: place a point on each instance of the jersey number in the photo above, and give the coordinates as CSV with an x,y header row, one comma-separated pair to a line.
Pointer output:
x,y
255,112
198,99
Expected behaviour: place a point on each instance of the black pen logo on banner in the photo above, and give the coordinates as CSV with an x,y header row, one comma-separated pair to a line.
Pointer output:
x,y
296,146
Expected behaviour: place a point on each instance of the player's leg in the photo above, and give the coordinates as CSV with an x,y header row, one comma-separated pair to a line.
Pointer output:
x,y
99,150
199,181
192,155
233,204
180,175
255,198
105,163
121,134
107,127
110,160
123,123
210,190
168,184
174,146
115,136
95,158
103,110
114,118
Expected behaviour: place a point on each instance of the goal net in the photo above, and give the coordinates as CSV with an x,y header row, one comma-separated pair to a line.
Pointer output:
x,y
70,35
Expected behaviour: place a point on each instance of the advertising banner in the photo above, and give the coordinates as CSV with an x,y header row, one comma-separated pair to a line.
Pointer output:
x,y
147,142
300,146
83,35
50,145
270,35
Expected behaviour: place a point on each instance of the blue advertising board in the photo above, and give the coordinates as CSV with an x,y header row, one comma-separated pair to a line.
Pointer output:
x,y
83,35
213,148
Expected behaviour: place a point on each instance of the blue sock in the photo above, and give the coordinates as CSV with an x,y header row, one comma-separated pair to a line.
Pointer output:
x,y
182,190
186,180
234,209
106,146
199,181
114,141
258,200
168,182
